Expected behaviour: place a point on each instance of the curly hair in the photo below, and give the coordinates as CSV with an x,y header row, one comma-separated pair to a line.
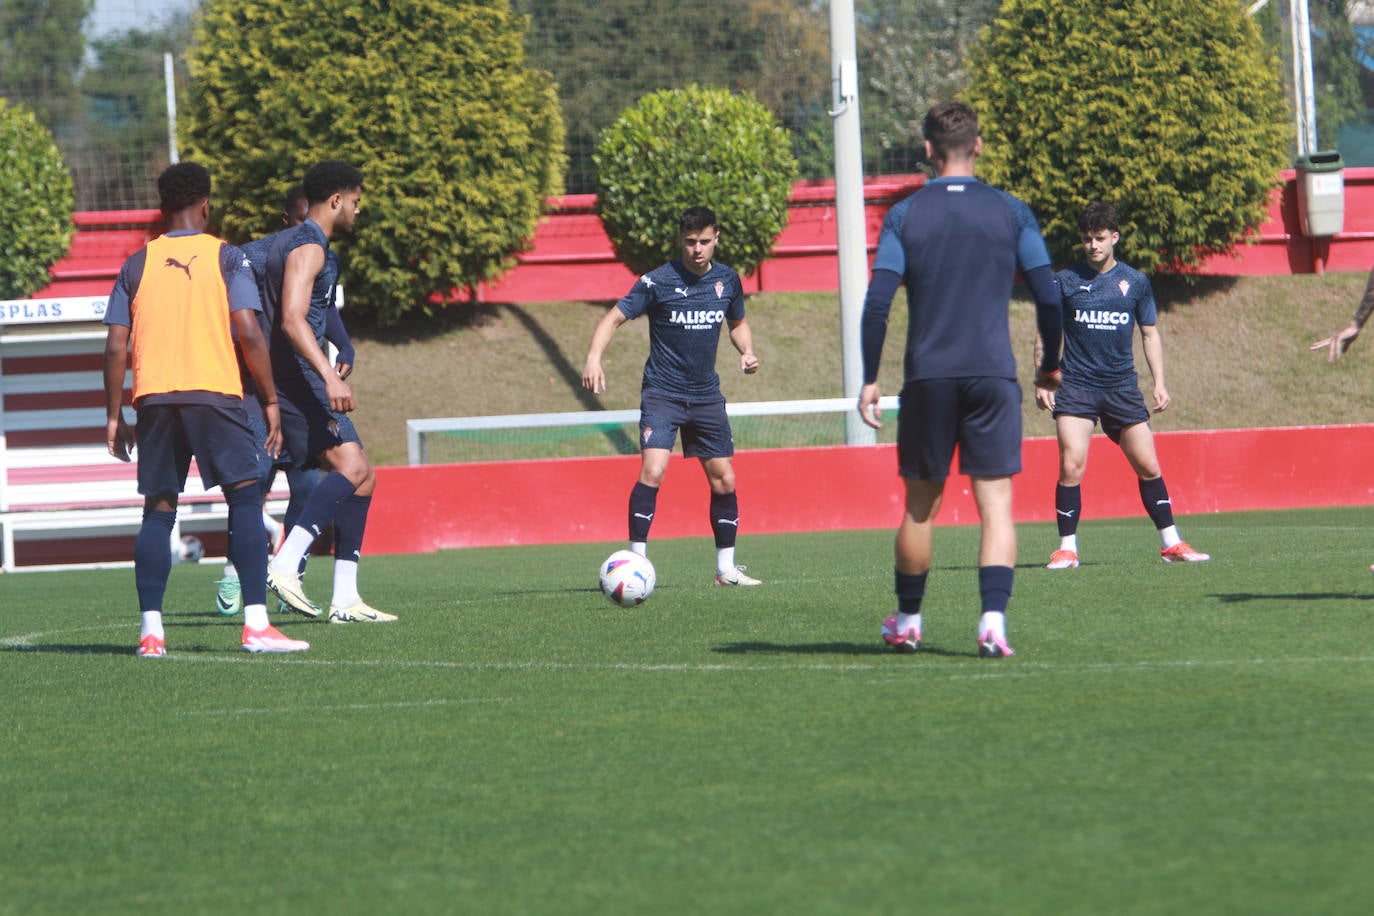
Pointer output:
x,y
325,179
182,185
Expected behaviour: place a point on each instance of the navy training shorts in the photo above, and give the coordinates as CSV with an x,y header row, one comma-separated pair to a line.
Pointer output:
x,y
1115,408
258,424
981,415
308,426
705,427
218,436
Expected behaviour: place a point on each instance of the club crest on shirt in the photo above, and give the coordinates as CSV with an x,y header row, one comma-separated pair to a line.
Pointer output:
x,y
720,289
1124,286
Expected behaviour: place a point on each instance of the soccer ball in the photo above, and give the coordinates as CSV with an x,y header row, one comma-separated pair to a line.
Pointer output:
x,y
190,550
627,579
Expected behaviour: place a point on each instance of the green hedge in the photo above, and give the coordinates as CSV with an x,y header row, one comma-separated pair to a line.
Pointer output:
x,y
680,148
460,143
36,201
1170,109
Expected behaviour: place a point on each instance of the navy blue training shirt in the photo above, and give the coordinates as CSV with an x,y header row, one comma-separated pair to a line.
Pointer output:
x,y
956,244
1101,311
685,315
285,360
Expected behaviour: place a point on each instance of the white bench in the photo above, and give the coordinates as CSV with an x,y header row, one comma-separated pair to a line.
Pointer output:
x,y
64,501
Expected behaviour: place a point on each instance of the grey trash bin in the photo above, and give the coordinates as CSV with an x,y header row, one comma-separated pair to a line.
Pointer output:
x,y
1321,192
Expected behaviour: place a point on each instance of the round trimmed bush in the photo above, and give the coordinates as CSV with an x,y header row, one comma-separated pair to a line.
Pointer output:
x,y
681,148
36,199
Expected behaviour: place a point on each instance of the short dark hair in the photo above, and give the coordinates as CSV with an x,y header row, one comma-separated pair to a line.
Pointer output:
x,y
694,218
1097,216
182,185
332,176
950,127
296,192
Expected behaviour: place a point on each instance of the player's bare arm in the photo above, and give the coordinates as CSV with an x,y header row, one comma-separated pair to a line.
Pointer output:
x,y
259,363
1336,345
593,375
303,265
1153,345
743,339
119,438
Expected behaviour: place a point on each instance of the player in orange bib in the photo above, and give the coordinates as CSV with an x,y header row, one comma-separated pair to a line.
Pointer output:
x,y
172,306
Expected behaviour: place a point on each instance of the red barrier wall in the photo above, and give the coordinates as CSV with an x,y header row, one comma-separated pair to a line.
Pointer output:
x,y
571,257
420,509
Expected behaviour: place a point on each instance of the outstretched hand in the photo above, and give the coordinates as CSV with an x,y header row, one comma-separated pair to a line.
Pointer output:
x,y
1336,345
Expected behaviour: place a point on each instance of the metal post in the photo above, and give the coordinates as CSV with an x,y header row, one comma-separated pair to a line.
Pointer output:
x,y
1305,96
850,228
168,77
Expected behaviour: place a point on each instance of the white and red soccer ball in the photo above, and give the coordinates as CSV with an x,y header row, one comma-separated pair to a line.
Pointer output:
x,y
627,578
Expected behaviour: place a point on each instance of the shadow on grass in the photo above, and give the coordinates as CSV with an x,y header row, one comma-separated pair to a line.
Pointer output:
x,y
826,648
1183,288
1237,597
416,325
572,377
101,649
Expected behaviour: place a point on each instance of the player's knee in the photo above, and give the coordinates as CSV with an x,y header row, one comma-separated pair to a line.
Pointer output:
x,y
1071,471
160,502
358,472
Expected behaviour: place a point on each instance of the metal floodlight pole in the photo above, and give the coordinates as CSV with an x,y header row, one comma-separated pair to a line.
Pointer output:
x,y
168,77
850,226
1304,96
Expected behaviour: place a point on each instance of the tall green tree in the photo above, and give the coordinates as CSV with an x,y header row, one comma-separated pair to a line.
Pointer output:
x,y
1336,69
41,49
606,55
913,54
459,140
122,145
1170,109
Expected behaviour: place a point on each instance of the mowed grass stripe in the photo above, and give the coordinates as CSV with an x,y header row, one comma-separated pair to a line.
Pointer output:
x,y
1167,738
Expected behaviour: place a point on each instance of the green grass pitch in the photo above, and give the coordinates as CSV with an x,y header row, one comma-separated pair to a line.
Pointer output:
x,y
1167,739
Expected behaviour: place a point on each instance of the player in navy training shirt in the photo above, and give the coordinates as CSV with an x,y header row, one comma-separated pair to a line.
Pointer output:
x,y
295,210
956,244
315,400
686,300
1103,300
